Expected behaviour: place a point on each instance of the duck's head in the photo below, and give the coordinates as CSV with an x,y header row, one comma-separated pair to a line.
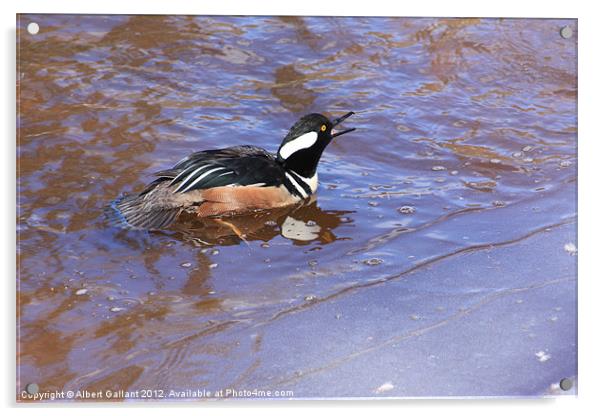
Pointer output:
x,y
302,147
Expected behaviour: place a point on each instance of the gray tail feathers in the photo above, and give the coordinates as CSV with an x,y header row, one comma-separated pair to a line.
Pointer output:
x,y
131,212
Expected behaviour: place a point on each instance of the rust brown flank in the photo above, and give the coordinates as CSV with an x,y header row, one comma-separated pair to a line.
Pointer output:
x,y
228,199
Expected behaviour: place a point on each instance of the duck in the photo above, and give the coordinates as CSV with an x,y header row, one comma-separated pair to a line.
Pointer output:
x,y
233,180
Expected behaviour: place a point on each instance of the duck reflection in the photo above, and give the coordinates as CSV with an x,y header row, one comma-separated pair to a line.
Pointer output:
x,y
302,224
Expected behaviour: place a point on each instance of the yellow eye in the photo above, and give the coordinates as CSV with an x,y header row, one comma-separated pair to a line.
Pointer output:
x,y
323,128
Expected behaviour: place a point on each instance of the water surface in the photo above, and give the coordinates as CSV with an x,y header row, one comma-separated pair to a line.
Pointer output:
x,y
437,258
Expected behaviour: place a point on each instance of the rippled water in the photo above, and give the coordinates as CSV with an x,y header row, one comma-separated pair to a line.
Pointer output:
x,y
437,259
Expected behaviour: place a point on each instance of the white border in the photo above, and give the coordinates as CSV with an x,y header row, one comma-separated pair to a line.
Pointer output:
x,y
458,8
589,187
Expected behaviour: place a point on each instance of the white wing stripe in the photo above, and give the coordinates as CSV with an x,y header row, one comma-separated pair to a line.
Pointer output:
x,y
225,173
192,175
184,172
201,177
299,143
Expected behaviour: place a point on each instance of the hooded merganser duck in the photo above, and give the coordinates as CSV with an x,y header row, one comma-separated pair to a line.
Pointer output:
x,y
233,180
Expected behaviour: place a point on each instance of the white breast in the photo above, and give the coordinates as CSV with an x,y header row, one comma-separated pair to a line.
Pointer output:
x,y
313,183
296,179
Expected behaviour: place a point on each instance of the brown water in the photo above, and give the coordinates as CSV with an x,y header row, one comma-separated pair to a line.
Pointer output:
x,y
469,124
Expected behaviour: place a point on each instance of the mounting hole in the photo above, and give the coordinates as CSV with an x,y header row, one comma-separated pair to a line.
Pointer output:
x,y
566,32
32,388
33,28
566,384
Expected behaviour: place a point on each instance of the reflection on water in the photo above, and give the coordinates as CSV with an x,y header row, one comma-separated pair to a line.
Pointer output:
x,y
290,91
300,224
470,124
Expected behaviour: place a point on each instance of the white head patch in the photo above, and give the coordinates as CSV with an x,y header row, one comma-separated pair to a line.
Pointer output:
x,y
299,143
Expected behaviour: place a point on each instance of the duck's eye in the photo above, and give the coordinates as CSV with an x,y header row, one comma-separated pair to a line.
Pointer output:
x,y
323,128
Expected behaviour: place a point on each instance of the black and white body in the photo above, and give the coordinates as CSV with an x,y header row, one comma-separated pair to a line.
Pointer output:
x,y
233,180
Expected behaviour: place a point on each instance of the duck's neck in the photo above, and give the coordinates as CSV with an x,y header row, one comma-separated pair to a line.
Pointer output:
x,y
303,162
